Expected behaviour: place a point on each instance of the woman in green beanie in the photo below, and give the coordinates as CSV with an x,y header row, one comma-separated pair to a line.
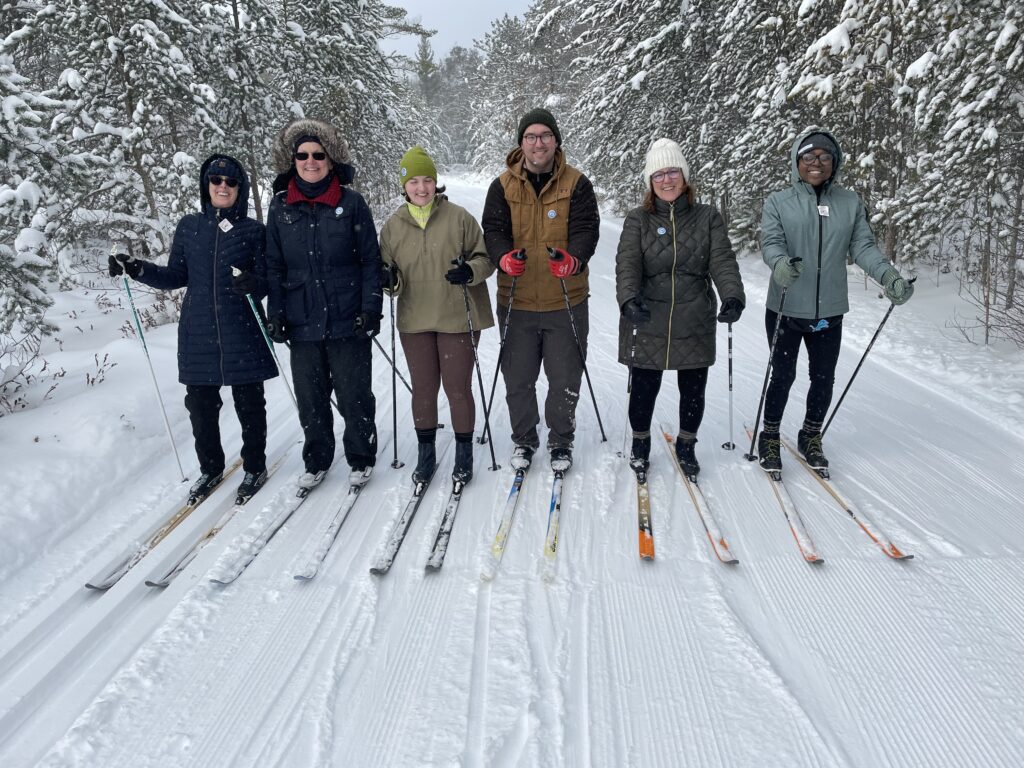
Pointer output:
x,y
433,251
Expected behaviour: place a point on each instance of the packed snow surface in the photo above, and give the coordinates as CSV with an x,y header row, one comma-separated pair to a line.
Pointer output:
x,y
602,659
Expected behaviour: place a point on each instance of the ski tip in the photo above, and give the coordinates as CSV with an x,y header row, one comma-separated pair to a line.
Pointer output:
x,y
815,559
97,587
157,584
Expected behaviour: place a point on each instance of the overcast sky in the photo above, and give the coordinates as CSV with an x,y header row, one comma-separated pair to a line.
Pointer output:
x,y
457,22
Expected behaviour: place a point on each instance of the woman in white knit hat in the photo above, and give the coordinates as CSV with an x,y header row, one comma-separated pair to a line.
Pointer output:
x,y
671,251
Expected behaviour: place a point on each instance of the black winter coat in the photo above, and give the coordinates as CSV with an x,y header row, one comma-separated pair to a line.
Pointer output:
x,y
219,340
670,258
323,266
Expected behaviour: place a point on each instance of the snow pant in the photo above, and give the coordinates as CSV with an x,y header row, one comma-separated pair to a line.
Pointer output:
x,y
647,383
344,367
203,404
822,356
534,338
441,358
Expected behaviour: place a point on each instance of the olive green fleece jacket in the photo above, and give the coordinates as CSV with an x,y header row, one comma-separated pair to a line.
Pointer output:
x,y
426,300
822,230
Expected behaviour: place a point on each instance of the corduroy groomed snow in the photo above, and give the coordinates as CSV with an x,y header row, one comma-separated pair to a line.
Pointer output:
x,y
542,116
664,153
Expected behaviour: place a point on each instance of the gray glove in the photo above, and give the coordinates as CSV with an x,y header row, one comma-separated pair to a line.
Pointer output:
x,y
786,271
897,290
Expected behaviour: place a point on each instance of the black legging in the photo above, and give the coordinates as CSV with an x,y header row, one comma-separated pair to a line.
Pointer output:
x,y
646,383
822,357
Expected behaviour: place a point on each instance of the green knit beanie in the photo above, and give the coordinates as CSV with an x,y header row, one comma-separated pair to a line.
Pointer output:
x,y
416,162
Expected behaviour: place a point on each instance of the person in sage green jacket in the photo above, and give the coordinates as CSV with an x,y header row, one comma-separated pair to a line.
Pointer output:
x,y
808,231
432,250
671,251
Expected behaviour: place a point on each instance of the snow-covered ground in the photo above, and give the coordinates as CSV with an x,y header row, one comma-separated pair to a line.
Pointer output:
x,y
613,661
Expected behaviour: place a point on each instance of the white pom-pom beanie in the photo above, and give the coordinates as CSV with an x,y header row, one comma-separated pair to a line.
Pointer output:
x,y
664,153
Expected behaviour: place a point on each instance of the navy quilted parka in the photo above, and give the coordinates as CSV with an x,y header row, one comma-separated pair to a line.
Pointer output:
x,y
219,341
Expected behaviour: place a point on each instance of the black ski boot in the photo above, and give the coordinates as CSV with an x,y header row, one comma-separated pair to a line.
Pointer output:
x,y
463,472
687,456
769,446
809,445
204,486
640,453
251,483
522,457
561,458
426,460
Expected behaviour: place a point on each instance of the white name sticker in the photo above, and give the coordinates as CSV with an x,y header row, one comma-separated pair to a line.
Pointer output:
x,y
225,225
823,210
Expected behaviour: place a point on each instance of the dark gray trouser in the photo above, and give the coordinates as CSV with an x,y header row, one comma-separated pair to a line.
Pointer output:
x,y
533,338
344,366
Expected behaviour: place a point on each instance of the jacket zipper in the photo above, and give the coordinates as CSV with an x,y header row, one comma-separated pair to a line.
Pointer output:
x,y
672,305
216,309
817,285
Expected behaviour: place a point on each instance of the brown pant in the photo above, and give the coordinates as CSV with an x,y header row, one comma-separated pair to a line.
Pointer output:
x,y
436,358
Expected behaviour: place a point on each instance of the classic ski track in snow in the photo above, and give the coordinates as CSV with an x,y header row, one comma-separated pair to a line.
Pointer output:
x,y
614,661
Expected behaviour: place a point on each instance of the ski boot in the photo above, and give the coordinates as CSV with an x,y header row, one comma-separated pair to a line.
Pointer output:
x,y
463,472
251,483
561,458
809,445
359,475
687,456
522,456
204,486
640,453
768,447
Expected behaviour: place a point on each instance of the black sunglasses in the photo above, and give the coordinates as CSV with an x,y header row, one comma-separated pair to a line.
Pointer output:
x,y
216,181
305,155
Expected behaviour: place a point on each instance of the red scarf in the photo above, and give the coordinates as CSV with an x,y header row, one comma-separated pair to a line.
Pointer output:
x,y
330,198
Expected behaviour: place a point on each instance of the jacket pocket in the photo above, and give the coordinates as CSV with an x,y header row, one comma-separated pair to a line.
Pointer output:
x,y
296,298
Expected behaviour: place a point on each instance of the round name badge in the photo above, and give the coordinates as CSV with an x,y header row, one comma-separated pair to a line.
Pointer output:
x,y
552,213
404,171
662,230
339,210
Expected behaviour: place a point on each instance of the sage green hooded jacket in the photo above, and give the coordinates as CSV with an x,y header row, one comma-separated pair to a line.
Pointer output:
x,y
823,230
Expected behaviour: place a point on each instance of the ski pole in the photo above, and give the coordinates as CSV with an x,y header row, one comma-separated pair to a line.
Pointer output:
x,y
479,373
392,363
729,445
152,373
520,255
629,389
396,464
555,256
751,456
859,364
261,321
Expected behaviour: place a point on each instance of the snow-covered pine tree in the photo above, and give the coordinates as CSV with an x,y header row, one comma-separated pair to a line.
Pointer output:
x,y
500,94
250,105
455,100
25,195
966,92
135,115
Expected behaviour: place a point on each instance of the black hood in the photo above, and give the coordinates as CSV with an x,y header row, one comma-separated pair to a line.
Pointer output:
x,y
241,207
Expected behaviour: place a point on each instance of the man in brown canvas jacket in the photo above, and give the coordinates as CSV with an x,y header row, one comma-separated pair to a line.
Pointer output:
x,y
542,202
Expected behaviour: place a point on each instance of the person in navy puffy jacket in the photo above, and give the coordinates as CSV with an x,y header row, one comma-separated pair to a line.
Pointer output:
x,y
219,339
323,268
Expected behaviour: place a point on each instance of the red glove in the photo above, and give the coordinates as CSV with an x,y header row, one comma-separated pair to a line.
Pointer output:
x,y
514,262
562,263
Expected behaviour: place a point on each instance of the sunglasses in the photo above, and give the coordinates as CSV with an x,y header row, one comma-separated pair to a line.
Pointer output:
x,y
216,181
320,156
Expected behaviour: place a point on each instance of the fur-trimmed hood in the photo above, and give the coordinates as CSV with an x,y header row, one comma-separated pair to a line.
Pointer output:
x,y
331,139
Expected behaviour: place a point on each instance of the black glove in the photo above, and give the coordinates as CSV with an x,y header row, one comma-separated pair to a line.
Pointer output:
x,y
277,329
244,283
388,277
367,324
636,311
460,274
731,310
118,264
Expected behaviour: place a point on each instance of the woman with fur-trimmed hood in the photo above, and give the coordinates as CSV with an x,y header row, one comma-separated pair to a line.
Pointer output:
x,y
323,269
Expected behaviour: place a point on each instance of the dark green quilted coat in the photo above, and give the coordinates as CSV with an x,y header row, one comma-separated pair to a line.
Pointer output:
x,y
671,258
